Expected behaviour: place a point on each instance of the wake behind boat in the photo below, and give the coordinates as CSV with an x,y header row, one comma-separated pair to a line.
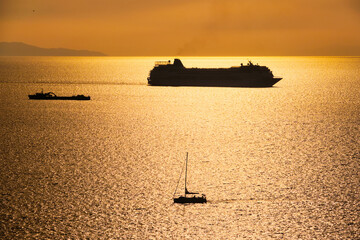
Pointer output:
x,y
188,197
175,74
53,96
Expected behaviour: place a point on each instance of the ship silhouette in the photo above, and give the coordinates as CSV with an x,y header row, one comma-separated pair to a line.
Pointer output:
x,y
188,197
175,74
52,96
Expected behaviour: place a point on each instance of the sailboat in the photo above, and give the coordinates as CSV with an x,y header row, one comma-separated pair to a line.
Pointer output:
x,y
188,197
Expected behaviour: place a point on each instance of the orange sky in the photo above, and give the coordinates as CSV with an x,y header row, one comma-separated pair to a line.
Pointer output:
x,y
186,27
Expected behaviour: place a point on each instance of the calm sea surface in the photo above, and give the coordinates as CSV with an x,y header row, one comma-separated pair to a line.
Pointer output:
x,y
280,162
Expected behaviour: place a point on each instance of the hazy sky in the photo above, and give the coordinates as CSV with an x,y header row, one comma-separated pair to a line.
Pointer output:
x,y
186,27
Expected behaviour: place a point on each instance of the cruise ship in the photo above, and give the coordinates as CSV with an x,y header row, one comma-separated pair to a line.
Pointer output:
x,y
166,73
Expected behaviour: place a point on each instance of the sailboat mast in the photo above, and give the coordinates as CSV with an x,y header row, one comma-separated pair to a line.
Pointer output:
x,y
186,171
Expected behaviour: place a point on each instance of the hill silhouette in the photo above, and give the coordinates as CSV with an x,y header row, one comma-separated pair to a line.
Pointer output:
x,y
23,49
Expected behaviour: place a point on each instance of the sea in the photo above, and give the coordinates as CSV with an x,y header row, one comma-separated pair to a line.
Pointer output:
x,y
275,163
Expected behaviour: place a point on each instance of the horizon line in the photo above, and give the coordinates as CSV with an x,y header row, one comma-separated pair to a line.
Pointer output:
x,y
180,56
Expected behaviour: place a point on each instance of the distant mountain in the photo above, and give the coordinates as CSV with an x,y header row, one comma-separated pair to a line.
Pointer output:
x,y
22,49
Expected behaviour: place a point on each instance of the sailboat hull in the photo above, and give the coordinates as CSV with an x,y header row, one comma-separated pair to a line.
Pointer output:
x,y
193,199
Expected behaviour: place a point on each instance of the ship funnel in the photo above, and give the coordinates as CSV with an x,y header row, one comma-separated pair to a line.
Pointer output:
x,y
178,63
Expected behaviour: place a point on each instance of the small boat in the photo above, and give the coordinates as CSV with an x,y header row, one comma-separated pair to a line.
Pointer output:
x,y
188,197
53,96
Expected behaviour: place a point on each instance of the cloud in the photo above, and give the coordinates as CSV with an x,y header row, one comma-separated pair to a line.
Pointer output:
x,y
356,4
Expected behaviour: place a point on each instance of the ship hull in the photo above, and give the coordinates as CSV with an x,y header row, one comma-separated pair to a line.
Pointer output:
x,y
35,97
213,82
194,199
